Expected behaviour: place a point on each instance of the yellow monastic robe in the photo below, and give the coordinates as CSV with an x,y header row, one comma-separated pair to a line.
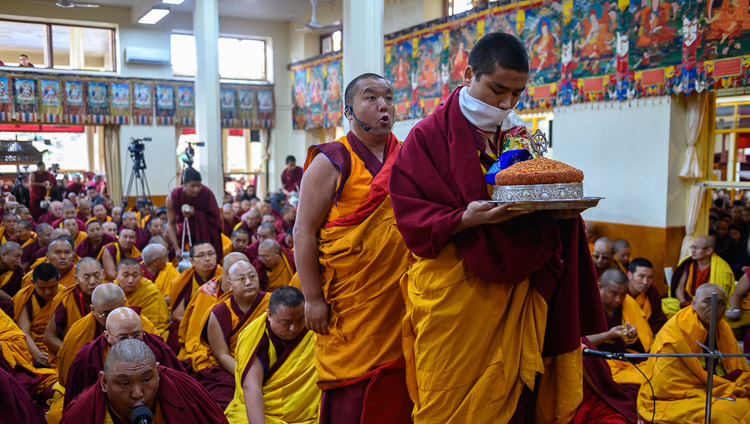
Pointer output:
x,y
624,372
281,276
30,240
14,349
79,238
163,280
643,302
617,264
193,322
720,274
3,234
226,245
182,280
680,383
68,279
290,394
38,316
148,297
134,252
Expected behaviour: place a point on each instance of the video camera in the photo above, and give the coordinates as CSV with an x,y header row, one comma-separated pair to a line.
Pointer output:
x,y
190,152
136,149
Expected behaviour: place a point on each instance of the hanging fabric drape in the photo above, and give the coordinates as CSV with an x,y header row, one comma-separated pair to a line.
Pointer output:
x,y
696,111
112,162
694,207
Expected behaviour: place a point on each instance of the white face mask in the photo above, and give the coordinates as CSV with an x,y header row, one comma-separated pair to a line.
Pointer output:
x,y
480,114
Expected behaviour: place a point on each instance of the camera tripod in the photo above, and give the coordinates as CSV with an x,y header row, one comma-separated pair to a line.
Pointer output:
x,y
137,175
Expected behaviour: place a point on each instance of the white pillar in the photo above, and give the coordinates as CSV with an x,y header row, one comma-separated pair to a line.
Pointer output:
x,y
208,159
363,40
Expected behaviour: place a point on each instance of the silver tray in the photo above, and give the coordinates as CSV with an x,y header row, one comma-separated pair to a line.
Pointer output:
x,y
542,205
537,192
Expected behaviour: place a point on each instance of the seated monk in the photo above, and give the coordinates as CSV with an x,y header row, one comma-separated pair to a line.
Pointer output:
x,y
628,331
69,212
157,268
250,223
100,214
15,359
265,208
116,215
269,218
95,240
18,405
122,324
155,227
196,314
43,238
41,254
225,322
228,219
591,234
24,214
71,225
286,222
84,210
60,254
24,233
72,303
266,231
275,374
701,267
603,256
275,266
110,228
622,255
204,268
239,242
105,298
641,288
8,229
130,220
142,293
11,274
738,314
604,401
288,241
679,384
132,378
113,253
53,213
32,308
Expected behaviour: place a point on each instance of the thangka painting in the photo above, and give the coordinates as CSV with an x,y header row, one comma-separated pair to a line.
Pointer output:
x,y
97,102
120,103
228,106
315,93
185,105
333,103
74,106
400,65
589,39
165,104
299,99
266,107
655,33
143,103
50,107
725,28
541,35
5,105
429,64
246,106
25,100
462,39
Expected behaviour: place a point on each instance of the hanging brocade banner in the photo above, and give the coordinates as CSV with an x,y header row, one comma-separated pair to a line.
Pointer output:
x,y
74,106
143,103
50,99
246,107
165,106
185,106
97,103
266,112
120,103
6,108
25,99
228,107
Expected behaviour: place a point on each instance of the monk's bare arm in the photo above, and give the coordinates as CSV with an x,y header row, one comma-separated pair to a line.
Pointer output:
x,y
219,347
610,334
252,386
50,336
735,300
316,196
680,292
25,325
172,227
109,266
5,296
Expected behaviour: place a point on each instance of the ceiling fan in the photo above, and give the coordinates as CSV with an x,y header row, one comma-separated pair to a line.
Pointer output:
x,y
67,4
313,25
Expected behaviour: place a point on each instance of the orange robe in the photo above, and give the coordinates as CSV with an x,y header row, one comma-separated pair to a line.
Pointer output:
x,y
624,372
14,349
193,321
134,252
79,238
680,383
68,279
147,297
180,284
163,279
39,312
281,276
68,306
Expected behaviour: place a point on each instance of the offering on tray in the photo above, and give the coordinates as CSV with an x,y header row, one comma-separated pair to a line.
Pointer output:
x,y
538,171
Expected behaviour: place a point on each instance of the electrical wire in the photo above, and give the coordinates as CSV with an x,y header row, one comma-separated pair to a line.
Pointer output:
x,y
653,395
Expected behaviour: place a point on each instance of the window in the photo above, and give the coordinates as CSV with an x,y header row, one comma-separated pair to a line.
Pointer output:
x,y
58,46
239,58
330,42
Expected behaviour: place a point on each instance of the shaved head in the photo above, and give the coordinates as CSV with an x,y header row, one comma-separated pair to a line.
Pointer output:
x,y
107,293
702,303
705,241
120,317
153,252
128,351
613,277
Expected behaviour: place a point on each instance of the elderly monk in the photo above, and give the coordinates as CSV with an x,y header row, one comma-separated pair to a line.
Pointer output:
x,y
11,274
32,308
71,225
195,205
132,378
113,253
69,212
628,331
622,255
266,231
680,383
157,268
592,234
94,242
509,290
641,288
110,228
250,222
286,222
53,213
217,290
72,303
44,236
350,259
84,210
122,324
142,293
228,219
701,267
226,320
8,229
275,374
24,233
60,254
603,256
275,265
240,240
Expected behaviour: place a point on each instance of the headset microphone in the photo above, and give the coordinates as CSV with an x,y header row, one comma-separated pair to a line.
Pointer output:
x,y
364,127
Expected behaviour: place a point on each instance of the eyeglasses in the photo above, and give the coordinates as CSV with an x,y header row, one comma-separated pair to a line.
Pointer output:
x,y
101,314
202,256
129,336
242,279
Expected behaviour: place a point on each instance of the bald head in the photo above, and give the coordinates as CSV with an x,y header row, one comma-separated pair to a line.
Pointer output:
x,y
107,293
604,252
153,252
233,258
702,303
613,277
131,352
59,232
705,241
122,318
269,245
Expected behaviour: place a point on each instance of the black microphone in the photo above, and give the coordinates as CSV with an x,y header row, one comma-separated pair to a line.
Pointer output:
x,y
141,415
364,127
597,353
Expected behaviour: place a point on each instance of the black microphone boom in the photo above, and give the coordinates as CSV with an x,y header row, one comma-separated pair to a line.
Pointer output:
x,y
599,354
364,127
141,415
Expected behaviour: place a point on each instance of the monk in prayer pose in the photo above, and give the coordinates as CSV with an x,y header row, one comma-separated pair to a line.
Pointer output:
x,y
43,238
350,259
641,288
11,274
122,324
701,267
132,378
193,204
275,372
622,255
144,294
114,252
492,326
275,265
157,268
95,240
680,383
603,256
32,308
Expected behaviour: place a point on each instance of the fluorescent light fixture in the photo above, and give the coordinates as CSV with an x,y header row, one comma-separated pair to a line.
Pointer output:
x,y
175,2
154,15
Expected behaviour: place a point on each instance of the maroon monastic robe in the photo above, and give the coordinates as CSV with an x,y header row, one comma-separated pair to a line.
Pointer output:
x,y
37,193
205,224
86,246
17,404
